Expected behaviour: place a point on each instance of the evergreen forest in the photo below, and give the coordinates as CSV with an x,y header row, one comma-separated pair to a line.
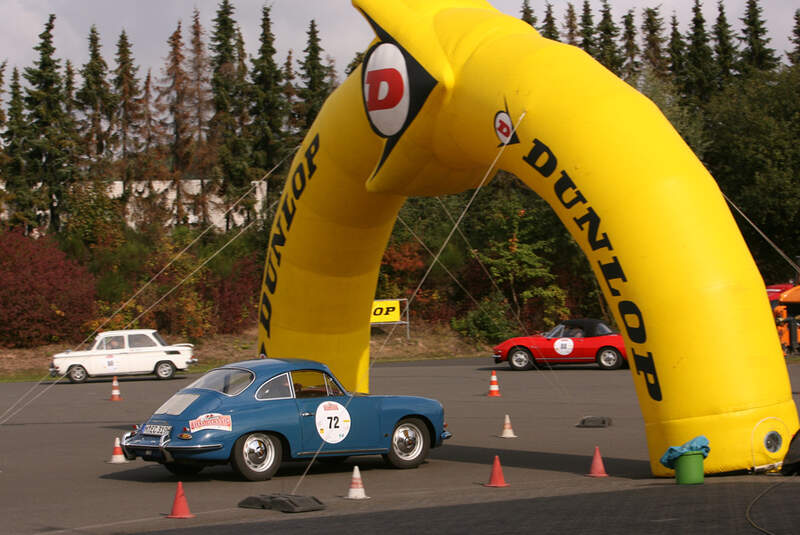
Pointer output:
x,y
74,258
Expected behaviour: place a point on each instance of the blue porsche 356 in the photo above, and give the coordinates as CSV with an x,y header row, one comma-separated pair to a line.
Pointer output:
x,y
255,414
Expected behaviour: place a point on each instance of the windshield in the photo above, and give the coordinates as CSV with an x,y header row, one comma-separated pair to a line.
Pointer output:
x,y
554,332
228,381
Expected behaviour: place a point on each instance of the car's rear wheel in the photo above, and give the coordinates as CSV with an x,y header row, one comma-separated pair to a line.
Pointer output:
x,y
257,456
181,469
77,374
520,358
609,358
410,444
165,370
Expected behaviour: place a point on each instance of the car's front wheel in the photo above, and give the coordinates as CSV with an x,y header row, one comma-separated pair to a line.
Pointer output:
x,y
77,374
257,456
609,358
410,444
165,370
520,358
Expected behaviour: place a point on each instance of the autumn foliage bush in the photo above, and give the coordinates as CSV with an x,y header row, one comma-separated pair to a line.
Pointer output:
x,y
44,296
234,297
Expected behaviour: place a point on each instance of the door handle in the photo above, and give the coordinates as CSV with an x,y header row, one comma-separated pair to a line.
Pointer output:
x,y
306,414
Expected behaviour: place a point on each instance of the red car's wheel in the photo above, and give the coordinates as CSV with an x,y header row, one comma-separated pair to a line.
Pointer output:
x,y
609,358
520,358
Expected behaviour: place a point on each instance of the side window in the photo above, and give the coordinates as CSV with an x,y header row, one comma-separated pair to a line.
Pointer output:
x,y
275,388
309,384
112,342
140,340
333,388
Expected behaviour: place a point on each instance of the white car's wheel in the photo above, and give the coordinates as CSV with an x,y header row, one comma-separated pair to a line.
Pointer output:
x,y
77,374
165,370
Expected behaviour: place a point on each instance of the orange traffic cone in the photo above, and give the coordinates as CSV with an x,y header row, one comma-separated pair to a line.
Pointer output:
x,y
180,509
494,388
496,478
117,457
115,395
597,470
356,491
508,432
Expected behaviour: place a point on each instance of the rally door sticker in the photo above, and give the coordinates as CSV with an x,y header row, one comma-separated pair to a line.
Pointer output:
x,y
333,422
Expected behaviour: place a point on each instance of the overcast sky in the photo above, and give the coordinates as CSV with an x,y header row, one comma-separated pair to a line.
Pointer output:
x,y
342,30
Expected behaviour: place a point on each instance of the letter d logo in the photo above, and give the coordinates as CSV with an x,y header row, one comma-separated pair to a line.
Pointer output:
x,y
386,91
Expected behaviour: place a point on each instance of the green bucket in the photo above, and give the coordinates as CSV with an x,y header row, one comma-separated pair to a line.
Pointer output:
x,y
689,468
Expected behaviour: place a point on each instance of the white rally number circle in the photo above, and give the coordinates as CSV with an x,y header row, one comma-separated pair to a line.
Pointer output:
x,y
333,422
564,346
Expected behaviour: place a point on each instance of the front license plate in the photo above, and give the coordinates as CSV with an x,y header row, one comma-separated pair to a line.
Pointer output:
x,y
157,430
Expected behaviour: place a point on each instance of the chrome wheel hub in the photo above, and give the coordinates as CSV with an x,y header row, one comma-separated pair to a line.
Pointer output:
x,y
258,452
407,441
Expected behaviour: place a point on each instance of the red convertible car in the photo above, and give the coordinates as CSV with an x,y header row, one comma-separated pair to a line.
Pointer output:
x,y
578,341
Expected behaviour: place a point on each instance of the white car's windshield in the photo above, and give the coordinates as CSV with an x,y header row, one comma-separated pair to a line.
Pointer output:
x,y
228,381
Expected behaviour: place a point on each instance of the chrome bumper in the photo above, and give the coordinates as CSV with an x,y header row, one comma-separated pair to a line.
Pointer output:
x,y
129,450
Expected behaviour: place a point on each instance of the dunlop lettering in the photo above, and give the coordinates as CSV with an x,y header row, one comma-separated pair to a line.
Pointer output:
x,y
542,159
564,184
283,220
612,271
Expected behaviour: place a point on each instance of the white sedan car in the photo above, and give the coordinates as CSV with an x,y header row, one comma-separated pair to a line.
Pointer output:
x,y
131,352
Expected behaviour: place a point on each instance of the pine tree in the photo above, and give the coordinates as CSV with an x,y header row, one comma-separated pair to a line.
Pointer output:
x,y
755,52
571,25
724,47
204,155
526,13
268,108
199,80
700,74
225,88
608,52
128,115
48,139
314,74
631,66
354,63
587,31
70,105
676,51
97,103
794,54
223,77
293,123
2,82
19,195
653,55
173,99
549,28
152,134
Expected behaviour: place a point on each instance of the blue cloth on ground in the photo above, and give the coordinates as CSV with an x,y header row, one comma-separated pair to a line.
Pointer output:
x,y
673,452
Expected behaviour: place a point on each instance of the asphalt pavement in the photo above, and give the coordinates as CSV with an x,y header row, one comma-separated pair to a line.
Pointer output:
x,y
54,475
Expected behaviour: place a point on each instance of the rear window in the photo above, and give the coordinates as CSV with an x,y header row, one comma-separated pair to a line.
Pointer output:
x,y
177,404
140,340
228,381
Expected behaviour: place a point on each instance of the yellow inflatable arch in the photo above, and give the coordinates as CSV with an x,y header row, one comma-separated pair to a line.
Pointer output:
x,y
439,92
